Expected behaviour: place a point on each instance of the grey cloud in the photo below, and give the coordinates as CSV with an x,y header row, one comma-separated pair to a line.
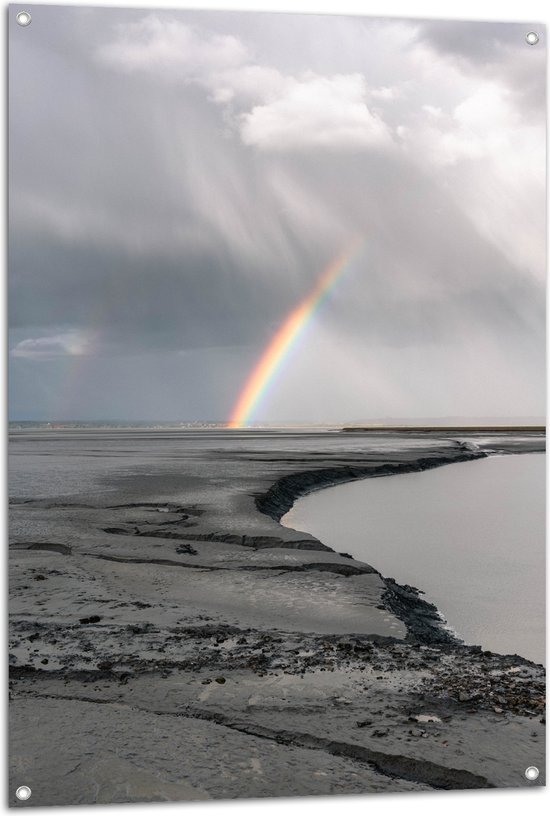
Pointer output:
x,y
481,42
495,50
149,244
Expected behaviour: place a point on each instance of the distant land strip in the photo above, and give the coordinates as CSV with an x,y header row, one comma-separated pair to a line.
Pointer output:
x,y
509,429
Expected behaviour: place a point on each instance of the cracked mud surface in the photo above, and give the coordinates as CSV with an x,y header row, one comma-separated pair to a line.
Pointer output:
x,y
171,641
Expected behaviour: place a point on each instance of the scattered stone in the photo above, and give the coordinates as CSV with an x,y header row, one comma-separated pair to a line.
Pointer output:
x,y
91,619
425,718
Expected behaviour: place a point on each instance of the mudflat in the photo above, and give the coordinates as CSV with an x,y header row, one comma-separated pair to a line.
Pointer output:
x,y
170,640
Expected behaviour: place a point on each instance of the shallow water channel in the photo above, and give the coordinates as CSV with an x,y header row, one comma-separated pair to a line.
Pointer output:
x,y
471,535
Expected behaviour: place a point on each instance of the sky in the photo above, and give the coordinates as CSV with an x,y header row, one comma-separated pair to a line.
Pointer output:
x,y
181,181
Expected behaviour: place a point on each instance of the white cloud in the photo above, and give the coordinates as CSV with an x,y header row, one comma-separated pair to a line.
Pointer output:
x,y
292,112
69,344
491,159
475,128
248,83
175,50
463,129
485,110
316,111
432,111
384,93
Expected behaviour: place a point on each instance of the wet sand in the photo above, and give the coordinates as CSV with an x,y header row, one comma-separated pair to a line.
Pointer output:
x,y
170,640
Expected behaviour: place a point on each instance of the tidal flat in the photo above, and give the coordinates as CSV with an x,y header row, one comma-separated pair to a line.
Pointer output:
x,y
171,641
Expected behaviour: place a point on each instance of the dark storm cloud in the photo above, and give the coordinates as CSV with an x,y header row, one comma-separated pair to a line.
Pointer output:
x,y
145,301
179,181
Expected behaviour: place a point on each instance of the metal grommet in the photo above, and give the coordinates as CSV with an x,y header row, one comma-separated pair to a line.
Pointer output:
x,y
23,793
531,773
23,18
532,38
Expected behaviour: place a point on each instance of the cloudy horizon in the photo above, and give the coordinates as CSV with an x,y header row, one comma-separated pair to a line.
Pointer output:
x,y
179,182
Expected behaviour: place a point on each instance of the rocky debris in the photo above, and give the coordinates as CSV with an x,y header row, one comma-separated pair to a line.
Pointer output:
x,y
490,682
451,678
422,619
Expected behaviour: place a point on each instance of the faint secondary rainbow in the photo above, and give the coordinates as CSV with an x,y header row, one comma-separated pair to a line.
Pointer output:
x,y
276,353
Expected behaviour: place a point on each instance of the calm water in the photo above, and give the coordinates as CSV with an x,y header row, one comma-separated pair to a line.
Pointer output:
x,y
471,535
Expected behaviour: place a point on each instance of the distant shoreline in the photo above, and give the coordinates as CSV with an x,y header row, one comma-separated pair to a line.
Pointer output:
x,y
439,429
150,425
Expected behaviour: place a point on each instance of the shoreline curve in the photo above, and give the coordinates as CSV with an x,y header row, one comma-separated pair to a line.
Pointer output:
x,y
424,622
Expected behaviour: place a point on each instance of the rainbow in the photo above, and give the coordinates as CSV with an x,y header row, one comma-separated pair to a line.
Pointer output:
x,y
278,349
